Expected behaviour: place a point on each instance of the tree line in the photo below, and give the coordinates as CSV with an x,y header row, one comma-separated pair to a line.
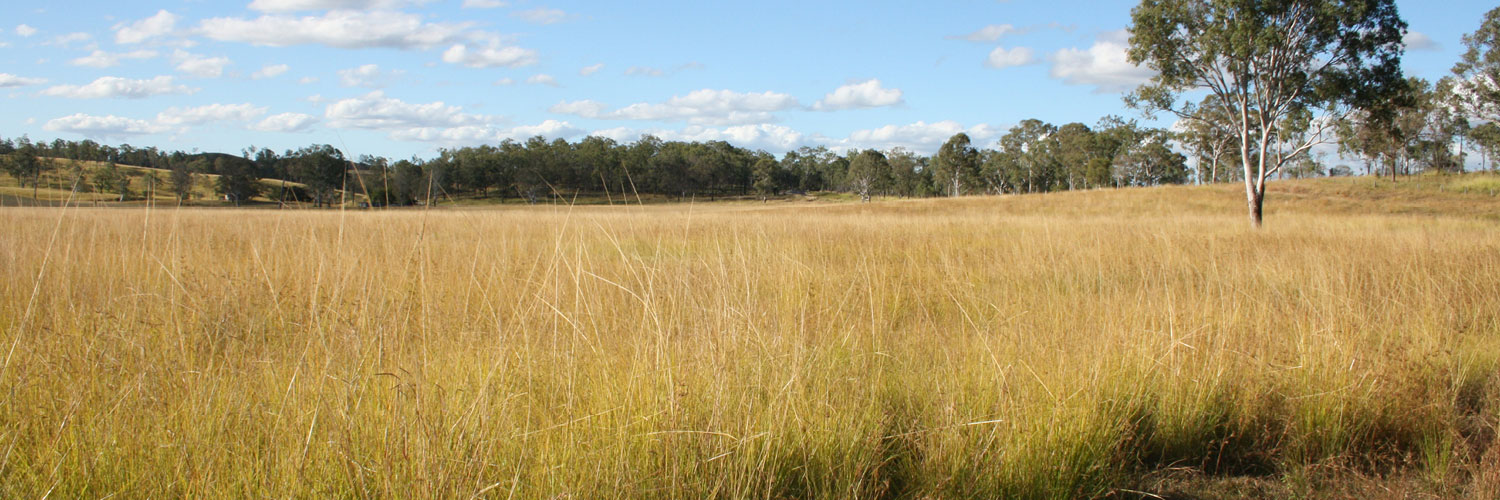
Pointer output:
x,y
1032,157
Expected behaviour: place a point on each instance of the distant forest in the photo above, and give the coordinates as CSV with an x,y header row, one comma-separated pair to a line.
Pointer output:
x,y
1031,157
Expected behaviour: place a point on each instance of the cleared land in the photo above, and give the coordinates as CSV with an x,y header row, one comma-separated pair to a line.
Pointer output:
x,y
1085,344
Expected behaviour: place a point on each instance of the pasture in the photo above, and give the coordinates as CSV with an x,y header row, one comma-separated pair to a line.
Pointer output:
x,y
1120,344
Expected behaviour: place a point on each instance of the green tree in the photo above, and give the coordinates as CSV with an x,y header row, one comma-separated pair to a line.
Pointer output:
x,y
238,180
181,178
1478,71
767,177
1267,60
321,168
25,167
868,171
956,165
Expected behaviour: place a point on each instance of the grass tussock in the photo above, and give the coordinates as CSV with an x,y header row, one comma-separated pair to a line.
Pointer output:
x,y
1066,346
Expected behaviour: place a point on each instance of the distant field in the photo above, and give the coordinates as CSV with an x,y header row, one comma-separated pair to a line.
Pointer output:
x,y
1133,343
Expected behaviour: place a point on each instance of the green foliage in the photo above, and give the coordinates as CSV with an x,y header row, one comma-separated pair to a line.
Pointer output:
x,y
956,165
1479,69
238,179
23,165
321,168
1269,62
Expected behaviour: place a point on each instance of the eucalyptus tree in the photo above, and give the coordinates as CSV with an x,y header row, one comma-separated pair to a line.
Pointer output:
x,y
1267,60
955,168
868,171
1478,71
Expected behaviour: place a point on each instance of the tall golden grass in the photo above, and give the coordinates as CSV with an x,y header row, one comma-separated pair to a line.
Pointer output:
x,y
1061,346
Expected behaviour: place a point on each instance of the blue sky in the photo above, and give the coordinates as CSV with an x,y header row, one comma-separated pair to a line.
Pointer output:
x,y
399,78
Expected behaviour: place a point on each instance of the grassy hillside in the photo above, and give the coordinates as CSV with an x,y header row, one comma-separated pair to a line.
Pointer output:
x,y
1134,343
57,186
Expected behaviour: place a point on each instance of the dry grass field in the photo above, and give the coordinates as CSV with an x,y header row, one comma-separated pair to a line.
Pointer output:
x,y
1121,344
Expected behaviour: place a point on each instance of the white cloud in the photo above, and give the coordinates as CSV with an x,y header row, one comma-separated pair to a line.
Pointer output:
x,y
156,26
990,33
866,94
301,5
657,72
113,86
369,76
211,113
1103,65
375,111
478,134
340,29
25,31
270,71
700,107
551,129
492,55
308,80
643,71
589,70
768,137
920,137
1420,41
541,15
8,80
285,122
102,59
70,39
484,4
102,126
543,79
1005,58
198,65
504,82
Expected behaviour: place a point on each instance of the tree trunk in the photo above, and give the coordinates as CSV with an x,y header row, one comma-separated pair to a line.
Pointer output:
x,y
1257,202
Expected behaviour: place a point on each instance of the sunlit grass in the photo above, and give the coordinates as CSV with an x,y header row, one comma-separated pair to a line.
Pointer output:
x,y
1059,346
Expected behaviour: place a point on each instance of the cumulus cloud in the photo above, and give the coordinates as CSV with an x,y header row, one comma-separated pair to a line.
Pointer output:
x,y
543,79
867,94
921,137
1103,65
102,59
484,4
369,76
541,15
479,134
657,72
212,113
341,29
8,80
301,5
199,65
990,33
285,122
25,31
491,55
113,86
270,71
156,26
102,126
1420,41
505,82
589,70
375,111
768,137
70,39
700,107
1002,57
